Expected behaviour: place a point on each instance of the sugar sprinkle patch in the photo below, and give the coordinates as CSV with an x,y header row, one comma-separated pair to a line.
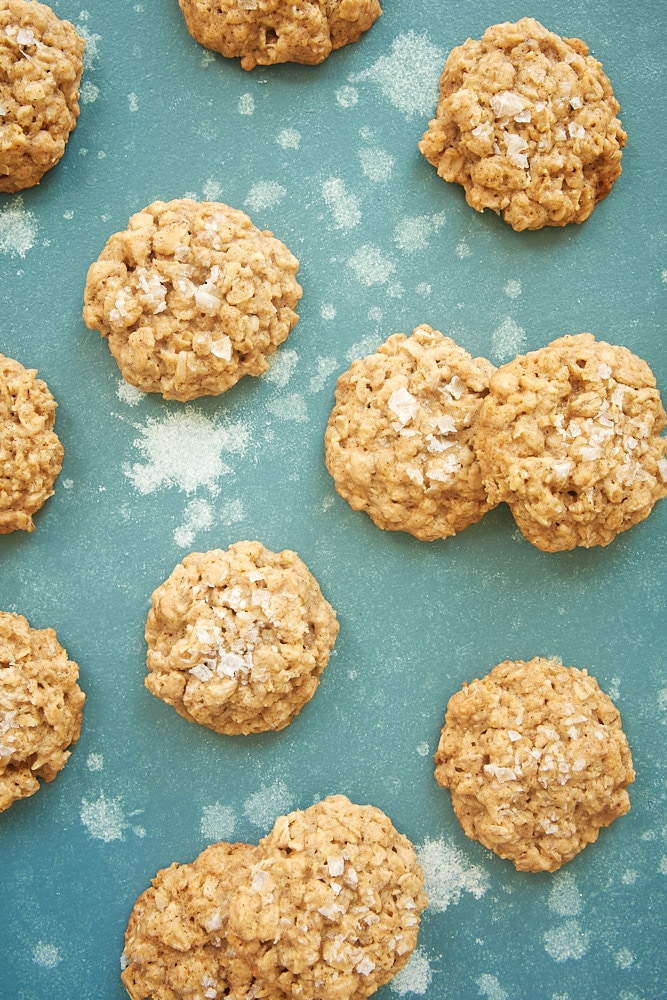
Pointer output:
x,y
568,941
262,807
413,233
289,408
104,818
513,289
46,955
197,516
91,51
415,977
371,266
423,749
447,874
88,92
184,450
508,340
408,77
624,958
217,822
343,205
328,311
377,165
283,366
133,102
265,194
289,138
325,369
490,988
18,229
95,762
564,896
246,104
232,512
347,97
212,189
129,394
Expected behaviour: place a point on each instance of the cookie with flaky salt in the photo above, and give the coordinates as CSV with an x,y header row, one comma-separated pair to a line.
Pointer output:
x,y
570,438
237,639
536,761
175,942
266,32
41,707
31,455
333,907
399,441
191,297
41,64
527,123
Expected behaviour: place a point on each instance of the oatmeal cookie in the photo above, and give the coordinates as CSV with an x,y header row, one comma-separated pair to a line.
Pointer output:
x,y
527,124
399,441
237,640
31,455
175,943
332,911
536,760
265,32
41,62
40,707
569,437
192,297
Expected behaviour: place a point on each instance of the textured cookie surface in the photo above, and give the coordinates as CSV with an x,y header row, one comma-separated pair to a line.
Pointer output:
x,y
332,911
264,32
399,441
175,943
192,297
238,639
570,438
536,761
527,124
41,62
40,707
31,454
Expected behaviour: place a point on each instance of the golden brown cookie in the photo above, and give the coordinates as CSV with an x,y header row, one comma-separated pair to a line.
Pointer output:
x,y
569,437
41,62
31,455
265,32
399,443
332,911
237,640
192,297
40,707
175,943
527,124
536,761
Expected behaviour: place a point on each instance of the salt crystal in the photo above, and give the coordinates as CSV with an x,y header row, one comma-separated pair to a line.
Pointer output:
x,y
222,348
501,774
562,468
576,130
524,116
662,469
455,387
482,131
25,36
413,473
576,102
604,370
516,145
231,664
444,424
506,104
214,922
436,444
513,735
336,865
201,672
403,404
365,966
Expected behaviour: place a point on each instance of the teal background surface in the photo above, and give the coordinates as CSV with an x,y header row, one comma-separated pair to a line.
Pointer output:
x,y
326,157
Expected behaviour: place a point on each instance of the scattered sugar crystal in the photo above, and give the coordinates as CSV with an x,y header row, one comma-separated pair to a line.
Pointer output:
x,y
246,104
377,164
289,138
217,822
347,97
448,874
265,194
343,205
371,266
408,77
567,941
46,955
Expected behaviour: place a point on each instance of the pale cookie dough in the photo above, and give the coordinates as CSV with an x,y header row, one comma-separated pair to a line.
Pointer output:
x,y
31,455
192,297
40,707
332,911
41,62
569,437
265,32
399,442
527,123
536,761
237,640
175,943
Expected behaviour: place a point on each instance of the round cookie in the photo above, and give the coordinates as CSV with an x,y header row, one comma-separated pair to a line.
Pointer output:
x,y
332,911
536,761
31,455
399,442
40,707
41,63
527,124
237,640
192,297
265,32
175,944
569,437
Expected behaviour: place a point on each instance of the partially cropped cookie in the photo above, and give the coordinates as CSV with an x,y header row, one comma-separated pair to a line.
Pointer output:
x,y
40,707
238,639
399,442
191,297
332,911
175,943
31,455
41,63
536,760
527,123
265,32
569,437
